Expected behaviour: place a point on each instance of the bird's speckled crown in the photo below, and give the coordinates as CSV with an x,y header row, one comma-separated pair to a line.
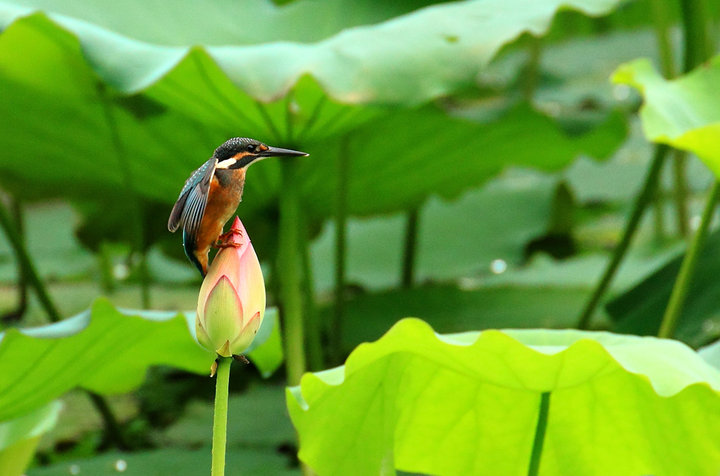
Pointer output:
x,y
233,146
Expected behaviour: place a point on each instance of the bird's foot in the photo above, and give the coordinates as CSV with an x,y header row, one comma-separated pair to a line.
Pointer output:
x,y
226,240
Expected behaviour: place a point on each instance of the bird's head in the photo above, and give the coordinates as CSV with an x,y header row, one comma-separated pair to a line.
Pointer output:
x,y
240,152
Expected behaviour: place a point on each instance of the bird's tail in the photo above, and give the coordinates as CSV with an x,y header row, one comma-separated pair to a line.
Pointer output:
x,y
189,246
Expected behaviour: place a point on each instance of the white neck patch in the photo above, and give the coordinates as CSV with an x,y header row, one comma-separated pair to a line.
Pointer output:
x,y
225,163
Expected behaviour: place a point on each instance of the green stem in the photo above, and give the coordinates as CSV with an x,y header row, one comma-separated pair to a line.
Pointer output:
x,y
539,440
22,281
17,213
410,248
136,211
681,192
144,279
107,280
341,197
219,441
659,215
641,202
26,263
684,279
661,16
49,306
315,352
289,266
113,433
696,44
532,68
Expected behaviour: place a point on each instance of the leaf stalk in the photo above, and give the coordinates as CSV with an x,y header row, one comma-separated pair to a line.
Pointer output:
x,y
687,268
540,429
641,202
289,268
219,440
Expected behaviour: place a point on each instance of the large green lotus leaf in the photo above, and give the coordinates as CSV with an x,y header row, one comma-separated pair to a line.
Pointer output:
x,y
684,112
103,350
179,462
19,437
407,59
639,310
469,404
67,102
443,155
711,354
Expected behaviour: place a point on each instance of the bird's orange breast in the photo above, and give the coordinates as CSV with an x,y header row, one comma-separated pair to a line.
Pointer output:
x,y
225,193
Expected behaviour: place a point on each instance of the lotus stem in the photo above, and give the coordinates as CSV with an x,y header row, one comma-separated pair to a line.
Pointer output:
x,y
17,313
136,220
641,202
289,266
661,16
410,248
341,197
27,264
539,440
532,68
681,192
316,357
113,432
219,441
684,279
697,46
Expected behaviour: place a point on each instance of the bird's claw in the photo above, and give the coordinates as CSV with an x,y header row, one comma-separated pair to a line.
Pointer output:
x,y
225,240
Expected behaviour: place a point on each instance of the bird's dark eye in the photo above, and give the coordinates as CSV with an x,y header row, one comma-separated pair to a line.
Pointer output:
x,y
251,148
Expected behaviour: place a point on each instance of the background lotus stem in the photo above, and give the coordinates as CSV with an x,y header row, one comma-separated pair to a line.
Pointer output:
x,y
641,202
659,215
289,279
27,264
343,175
313,327
661,16
539,440
219,441
684,279
22,281
680,192
697,46
531,73
136,209
113,432
410,248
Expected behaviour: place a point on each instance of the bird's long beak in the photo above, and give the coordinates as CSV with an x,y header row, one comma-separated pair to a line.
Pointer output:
x,y
280,152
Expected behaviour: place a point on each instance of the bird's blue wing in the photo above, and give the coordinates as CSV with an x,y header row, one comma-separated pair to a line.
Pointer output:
x,y
189,208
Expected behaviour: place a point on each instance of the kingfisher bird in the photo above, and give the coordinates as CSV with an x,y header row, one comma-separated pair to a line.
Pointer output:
x,y
212,193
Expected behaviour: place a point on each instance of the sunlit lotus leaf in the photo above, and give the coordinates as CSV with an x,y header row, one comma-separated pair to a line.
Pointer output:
x,y
684,113
19,437
470,403
103,350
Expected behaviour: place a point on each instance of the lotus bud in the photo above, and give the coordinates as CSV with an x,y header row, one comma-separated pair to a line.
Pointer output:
x,y
231,304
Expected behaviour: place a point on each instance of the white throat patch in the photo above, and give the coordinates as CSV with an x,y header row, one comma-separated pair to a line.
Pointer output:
x,y
225,163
